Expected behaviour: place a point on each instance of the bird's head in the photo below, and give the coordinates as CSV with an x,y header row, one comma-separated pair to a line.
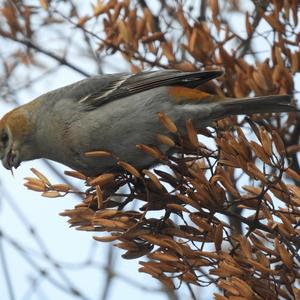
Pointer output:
x,y
15,138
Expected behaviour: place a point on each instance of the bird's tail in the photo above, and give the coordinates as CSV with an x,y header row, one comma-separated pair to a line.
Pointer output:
x,y
248,106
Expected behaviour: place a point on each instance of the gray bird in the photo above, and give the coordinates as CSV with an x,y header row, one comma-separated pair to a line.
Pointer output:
x,y
115,113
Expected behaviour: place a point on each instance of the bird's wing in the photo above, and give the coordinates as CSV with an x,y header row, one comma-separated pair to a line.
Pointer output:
x,y
99,90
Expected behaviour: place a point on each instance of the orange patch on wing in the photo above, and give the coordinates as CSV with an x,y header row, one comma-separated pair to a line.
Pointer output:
x,y
183,94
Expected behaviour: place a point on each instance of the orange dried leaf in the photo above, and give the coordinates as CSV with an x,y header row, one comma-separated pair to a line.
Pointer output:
x,y
83,20
51,194
98,154
129,168
187,200
228,287
107,213
110,223
168,51
36,181
279,144
266,141
274,22
214,8
149,20
60,187
295,62
125,32
163,256
255,172
284,254
116,11
100,199
177,207
153,178
287,223
164,139
181,19
202,223
220,297
141,25
248,24
218,239
243,287
252,189
189,277
261,268
245,246
293,174
40,176
156,36
150,150
192,134
101,8
260,152
102,179
231,269
44,4
75,174
167,122
109,238
259,245
35,187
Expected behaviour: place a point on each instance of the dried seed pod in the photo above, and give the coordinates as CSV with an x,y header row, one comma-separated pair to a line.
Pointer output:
x,y
228,287
100,199
218,238
245,246
75,174
153,178
177,207
279,144
260,152
164,139
249,27
35,186
230,268
192,134
40,176
287,223
125,32
187,200
150,150
255,172
293,174
36,181
109,238
284,254
83,20
129,168
102,179
60,187
167,122
266,141
295,62
156,36
141,26
98,153
51,194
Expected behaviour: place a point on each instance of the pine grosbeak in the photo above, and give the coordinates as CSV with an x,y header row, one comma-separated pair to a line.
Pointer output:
x,y
115,113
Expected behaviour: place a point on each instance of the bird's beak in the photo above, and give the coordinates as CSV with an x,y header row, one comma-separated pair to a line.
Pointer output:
x,y
11,159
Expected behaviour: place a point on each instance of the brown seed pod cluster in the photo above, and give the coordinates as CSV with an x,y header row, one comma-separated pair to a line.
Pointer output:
x,y
225,209
193,233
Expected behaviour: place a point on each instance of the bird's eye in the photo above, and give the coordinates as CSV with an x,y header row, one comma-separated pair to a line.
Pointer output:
x,y
4,138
